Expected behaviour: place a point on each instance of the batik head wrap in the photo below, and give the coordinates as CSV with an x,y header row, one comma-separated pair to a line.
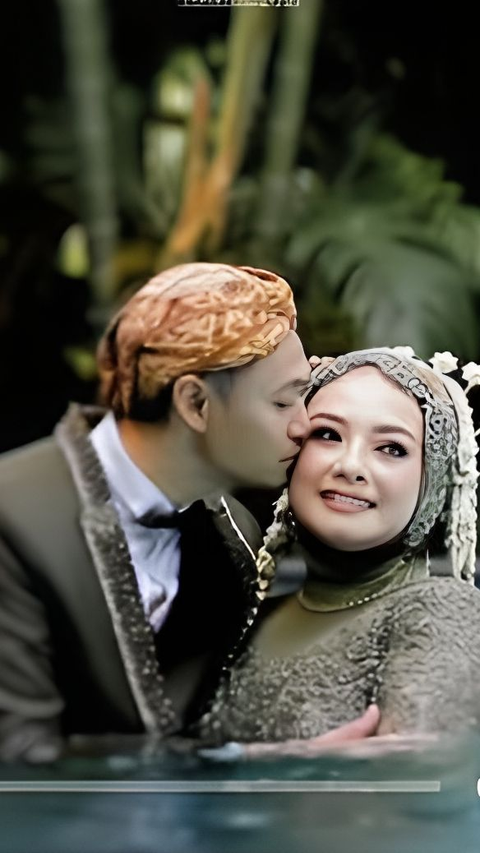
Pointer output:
x,y
450,472
190,319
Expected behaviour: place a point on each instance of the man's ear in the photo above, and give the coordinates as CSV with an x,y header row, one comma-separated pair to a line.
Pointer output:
x,y
190,399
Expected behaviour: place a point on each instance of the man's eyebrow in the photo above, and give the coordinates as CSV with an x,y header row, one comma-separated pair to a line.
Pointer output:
x,y
295,383
382,430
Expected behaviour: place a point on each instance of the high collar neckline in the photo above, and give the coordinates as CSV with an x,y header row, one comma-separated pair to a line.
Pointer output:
x,y
338,580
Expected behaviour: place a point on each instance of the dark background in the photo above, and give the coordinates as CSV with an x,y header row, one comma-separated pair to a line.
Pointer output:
x,y
413,64
429,92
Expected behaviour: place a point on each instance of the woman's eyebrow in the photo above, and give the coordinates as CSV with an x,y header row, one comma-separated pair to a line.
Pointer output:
x,y
393,428
329,417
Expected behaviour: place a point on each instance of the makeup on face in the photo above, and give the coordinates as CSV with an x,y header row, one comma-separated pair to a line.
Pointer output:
x,y
357,480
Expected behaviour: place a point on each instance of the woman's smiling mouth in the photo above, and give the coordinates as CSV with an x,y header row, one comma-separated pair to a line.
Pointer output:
x,y
345,503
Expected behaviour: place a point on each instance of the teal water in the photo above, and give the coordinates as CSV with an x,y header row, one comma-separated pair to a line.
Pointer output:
x,y
446,821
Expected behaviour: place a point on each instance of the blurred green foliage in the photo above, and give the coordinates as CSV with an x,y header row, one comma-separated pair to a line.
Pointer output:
x,y
225,159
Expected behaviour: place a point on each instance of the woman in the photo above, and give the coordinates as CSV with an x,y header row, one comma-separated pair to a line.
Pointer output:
x,y
392,449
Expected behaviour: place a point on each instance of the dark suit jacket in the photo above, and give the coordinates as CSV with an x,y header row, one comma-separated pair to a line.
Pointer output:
x,y
76,652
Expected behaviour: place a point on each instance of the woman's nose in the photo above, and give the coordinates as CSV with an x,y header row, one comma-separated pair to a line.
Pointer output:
x,y
299,427
351,465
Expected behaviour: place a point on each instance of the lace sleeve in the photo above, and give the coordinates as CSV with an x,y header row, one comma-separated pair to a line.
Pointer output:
x,y
431,676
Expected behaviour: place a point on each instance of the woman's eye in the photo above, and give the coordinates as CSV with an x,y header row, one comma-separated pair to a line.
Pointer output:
x,y
327,433
393,449
282,405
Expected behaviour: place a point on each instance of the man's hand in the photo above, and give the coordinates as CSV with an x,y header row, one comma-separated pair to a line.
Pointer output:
x,y
386,744
363,727
358,730
315,361
29,741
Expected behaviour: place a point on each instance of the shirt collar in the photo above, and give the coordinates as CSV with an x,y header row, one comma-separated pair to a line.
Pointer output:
x,y
128,484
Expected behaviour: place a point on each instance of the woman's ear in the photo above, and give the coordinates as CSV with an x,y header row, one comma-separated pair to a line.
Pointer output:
x,y
190,400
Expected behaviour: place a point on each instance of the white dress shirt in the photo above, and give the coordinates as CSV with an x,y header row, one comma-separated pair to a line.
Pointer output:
x,y
155,553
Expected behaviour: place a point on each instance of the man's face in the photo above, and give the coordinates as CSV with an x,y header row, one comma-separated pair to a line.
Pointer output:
x,y
257,428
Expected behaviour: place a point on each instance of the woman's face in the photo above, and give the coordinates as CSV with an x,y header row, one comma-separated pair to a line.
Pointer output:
x,y
357,480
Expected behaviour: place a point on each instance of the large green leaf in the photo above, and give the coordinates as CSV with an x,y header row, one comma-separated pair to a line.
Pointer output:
x,y
396,290
405,295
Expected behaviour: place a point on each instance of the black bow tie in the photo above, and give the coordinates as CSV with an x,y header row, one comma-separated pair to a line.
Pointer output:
x,y
180,518
158,520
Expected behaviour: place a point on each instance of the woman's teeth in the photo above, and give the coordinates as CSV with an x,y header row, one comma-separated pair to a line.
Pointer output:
x,y
344,499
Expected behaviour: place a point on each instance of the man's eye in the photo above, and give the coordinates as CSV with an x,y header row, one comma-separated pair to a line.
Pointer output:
x,y
282,405
393,449
327,433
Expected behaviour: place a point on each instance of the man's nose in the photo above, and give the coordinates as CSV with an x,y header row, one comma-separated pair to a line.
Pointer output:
x,y
299,427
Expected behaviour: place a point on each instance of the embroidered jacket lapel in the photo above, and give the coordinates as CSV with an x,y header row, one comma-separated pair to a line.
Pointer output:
x,y
110,556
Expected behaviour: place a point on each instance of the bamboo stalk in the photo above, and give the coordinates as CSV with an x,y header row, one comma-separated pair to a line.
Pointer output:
x,y
189,224
249,46
89,76
203,209
299,32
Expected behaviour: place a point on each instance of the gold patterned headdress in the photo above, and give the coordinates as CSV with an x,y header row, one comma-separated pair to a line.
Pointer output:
x,y
190,319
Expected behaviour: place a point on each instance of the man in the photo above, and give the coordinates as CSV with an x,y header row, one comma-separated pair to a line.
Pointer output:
x,y
123,594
